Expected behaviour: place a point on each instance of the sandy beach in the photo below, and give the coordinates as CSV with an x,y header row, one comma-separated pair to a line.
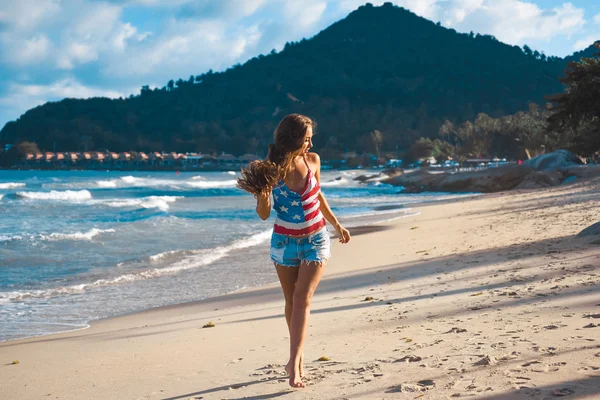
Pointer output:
x,y
489,297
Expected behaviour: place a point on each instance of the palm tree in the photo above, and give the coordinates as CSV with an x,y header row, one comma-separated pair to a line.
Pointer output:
x,y
377,138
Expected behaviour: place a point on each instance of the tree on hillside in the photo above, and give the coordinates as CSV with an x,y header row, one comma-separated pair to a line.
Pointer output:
x,y
576,112
377,139
17,152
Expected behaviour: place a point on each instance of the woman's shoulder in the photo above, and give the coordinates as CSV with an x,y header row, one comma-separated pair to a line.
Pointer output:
x,y
313,158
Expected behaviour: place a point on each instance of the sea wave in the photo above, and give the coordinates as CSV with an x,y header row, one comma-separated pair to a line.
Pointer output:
x,y
57,236
197,181
89,235
11,185
5,238
129,181
1,196
210,184
67,195
110,184
160,202
198,259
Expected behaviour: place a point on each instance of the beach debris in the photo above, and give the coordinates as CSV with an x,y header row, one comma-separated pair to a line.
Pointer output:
x,y
15,362
456,330
413,228
324,358
423,251
408,387
527,364
237,386
550,327
209,325
562,392
409,358
477,294
369,298
407,339
487,360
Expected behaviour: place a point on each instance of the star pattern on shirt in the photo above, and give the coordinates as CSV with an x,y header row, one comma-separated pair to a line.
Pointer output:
x,y
283,209
275,197
283,193
296,217
295,203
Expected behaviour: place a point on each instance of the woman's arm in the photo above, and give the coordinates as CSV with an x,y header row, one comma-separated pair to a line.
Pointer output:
x,y
325,209
263,205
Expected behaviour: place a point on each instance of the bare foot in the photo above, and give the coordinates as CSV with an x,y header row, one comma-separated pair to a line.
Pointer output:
x,y
293,372
301,369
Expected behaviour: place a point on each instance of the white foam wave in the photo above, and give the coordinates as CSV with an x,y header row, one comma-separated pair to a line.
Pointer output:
x,y
11,185
197,181
4,238
89,235
197,260
107,184
67,195
162,255
1,196
160,202
210,184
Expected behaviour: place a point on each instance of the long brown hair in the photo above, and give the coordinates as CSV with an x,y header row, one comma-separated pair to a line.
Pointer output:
x,y
261,176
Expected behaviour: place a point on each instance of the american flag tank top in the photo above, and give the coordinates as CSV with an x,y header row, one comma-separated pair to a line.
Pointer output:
x,y
298,214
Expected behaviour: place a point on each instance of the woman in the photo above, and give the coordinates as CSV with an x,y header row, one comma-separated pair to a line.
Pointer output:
x,y
300,245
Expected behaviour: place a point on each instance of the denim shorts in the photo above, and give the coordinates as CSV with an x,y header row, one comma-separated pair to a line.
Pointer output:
x,y
288,251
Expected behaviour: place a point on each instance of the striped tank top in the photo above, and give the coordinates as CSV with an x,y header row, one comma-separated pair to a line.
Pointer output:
x,y
298,214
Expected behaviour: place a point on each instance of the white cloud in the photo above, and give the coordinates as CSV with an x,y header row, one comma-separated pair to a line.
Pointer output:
x,y
183,47
19,98
586,42
19,51
514,21
596,19
304,14
26,15
68,87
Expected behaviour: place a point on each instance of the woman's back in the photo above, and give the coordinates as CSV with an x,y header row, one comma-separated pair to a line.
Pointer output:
x,y
298,211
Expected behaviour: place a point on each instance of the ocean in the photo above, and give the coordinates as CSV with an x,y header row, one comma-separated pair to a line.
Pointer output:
x,y
76,246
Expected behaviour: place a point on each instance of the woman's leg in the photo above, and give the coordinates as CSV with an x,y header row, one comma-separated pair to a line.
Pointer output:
x,y
288,277
309,276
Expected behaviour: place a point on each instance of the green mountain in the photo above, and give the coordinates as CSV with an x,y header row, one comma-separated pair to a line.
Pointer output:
x,y
380,68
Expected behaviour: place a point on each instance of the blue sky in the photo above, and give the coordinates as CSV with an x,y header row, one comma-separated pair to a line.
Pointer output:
x,y
52,49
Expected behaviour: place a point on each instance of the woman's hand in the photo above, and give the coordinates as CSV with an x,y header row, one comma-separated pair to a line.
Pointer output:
x,y
263,204
343,233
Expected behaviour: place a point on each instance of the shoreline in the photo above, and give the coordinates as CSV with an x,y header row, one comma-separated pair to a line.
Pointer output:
x,y
487,297
363,229
354,230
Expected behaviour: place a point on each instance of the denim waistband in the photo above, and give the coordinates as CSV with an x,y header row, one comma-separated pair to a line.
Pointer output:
x,y
300,241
